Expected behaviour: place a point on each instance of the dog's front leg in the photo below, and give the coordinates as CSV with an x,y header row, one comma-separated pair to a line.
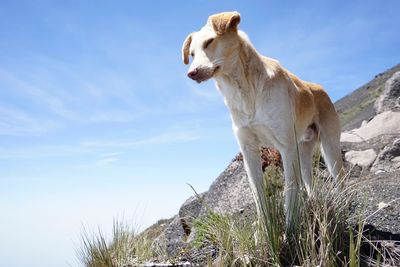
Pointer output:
x,y
291,169
252,161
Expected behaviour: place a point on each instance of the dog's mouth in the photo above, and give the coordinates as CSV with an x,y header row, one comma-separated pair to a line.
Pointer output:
x,y
207,76
215,70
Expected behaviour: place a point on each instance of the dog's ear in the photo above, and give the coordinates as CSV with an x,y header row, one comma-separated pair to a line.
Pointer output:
x,y
185,49
224,22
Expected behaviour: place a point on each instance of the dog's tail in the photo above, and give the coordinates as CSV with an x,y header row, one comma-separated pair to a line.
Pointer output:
x,y
330,130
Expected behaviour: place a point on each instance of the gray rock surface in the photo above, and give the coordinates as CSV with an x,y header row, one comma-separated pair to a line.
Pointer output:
x,y
362,158
230,192
382,124
379,197
390,98
189,211
389,158
172,239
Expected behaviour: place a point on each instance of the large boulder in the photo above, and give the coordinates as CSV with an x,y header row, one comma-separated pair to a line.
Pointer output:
x,y
230,192
386,123
363,158
389,158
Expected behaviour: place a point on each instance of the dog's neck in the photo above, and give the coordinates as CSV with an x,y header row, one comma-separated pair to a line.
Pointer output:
x,y
244,78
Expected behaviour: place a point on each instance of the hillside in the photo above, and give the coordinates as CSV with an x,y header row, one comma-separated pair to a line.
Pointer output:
x,y
358,106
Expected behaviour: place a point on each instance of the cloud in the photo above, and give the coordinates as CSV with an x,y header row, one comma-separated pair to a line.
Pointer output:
x,y
16,122
42,151
92,148
109,158
164,138
38,95
106,161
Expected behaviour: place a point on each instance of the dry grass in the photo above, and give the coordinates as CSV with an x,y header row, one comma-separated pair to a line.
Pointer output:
x,y
125,247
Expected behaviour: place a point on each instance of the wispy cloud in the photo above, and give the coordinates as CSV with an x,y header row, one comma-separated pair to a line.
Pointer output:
x,y
103,149
106,161
42,151
109,158
36,94
164,138
16,122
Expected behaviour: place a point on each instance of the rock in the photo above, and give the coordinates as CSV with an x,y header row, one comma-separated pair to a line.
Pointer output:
x,y
230,191
380,191
386,123
350,137
389,158
390,98
396,162
361,158
359,104
364,123
189,211
172,239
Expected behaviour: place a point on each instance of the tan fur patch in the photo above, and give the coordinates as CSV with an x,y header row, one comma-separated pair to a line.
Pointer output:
x,y
185,49
224,22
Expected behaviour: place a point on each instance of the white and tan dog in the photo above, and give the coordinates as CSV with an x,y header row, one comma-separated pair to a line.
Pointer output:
x,y
269,106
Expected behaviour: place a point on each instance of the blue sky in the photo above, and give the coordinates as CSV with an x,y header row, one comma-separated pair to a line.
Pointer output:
x,y
98,119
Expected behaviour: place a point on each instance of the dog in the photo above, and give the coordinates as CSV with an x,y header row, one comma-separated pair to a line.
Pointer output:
x,y
269,106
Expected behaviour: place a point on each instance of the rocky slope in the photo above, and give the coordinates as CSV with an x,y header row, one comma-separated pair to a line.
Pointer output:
x,y
371,149
359,105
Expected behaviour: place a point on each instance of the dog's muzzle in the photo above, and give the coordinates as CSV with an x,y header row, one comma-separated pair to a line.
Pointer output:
x,y
201,75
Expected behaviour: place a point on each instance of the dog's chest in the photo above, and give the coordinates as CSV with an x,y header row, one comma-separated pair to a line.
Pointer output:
x,y
264,114
253,106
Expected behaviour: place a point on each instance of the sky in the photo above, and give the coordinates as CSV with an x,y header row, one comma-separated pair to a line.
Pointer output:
x,y
98,119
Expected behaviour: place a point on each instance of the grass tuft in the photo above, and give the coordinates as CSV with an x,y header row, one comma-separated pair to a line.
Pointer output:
x,y
124,248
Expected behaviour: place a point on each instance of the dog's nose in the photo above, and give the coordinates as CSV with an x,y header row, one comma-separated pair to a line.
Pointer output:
x,y
192,74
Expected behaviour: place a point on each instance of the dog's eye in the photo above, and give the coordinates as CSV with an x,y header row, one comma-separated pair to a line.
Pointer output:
x,y
192,54
208,42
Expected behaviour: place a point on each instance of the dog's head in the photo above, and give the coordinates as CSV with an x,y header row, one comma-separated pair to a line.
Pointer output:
x,y
212,46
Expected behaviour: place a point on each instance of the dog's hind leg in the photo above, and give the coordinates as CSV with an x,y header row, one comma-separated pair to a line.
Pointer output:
x,y
330,145
306,149
328,124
